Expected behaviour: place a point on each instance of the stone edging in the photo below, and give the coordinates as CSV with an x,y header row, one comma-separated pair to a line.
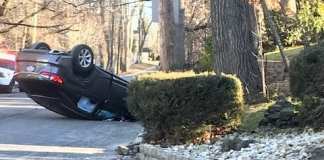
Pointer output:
x,y
149,152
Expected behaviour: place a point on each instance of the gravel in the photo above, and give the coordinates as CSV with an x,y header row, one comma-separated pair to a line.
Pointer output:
x,y
290,145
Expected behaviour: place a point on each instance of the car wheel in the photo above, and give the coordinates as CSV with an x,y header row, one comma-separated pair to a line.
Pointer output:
x,y
20,89
82,59
40,45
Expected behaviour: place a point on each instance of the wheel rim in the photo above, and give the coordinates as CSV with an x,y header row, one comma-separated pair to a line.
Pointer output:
x,y
85,58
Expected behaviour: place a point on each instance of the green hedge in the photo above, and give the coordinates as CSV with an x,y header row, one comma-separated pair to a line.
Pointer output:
x,y
176,110
311,112
307,73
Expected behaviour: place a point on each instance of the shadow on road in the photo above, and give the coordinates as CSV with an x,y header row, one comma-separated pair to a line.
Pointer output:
x,y
28,131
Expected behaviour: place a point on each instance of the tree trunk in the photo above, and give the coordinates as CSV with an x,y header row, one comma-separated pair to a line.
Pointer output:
x,y
179,53
123,63
3,7
289,7
259,26
233,27
111,44
189,49
140,30
144,32
101,56
105,30
119,42
167,30
274,32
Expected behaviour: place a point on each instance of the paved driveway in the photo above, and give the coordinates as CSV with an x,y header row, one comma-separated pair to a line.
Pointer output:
x,y
28,131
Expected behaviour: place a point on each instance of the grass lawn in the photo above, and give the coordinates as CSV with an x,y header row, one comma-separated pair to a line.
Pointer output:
x,y
289,52
253,115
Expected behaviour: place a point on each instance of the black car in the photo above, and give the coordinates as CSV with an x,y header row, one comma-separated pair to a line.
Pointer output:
x,y
69,83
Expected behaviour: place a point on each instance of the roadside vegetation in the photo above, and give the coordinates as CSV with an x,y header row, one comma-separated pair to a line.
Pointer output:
x,y
289,52
181,107
177,108
207,108
253,115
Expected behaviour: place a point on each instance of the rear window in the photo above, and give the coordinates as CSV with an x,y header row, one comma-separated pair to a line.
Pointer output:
x,y
7,64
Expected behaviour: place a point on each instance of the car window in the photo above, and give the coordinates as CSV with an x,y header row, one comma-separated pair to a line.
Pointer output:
x,y
7,64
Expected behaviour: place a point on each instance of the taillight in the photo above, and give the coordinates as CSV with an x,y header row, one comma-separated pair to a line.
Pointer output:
x,y
53,77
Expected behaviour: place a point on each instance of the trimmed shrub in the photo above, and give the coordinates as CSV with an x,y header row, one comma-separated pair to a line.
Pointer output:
x,y
175,108
311,112
307,73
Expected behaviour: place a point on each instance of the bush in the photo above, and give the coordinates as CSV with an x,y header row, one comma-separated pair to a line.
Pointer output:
x,y
206,61
312,112
307,83
306,73
176,110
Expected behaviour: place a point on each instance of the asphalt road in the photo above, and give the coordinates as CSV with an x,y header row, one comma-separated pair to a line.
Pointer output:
x,y
28,131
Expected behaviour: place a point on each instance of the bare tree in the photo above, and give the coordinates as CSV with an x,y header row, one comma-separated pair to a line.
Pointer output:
x,y
105,25
143,32
143,27
39,7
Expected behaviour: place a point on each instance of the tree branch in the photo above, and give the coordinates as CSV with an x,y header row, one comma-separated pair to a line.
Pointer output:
x,y
21,22
29,25
197,28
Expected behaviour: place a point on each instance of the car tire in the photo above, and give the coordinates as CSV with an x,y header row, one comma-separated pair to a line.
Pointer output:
x,y
20,89
41,46
9,88
82,59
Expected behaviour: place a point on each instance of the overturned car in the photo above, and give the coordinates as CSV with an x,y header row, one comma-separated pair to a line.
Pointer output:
x,y
69,83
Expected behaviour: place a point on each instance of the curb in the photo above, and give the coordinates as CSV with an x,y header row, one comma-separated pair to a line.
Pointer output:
x,y
150,152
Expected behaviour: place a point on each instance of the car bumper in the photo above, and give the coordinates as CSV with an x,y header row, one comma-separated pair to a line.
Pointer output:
x,y
29,76
36,84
